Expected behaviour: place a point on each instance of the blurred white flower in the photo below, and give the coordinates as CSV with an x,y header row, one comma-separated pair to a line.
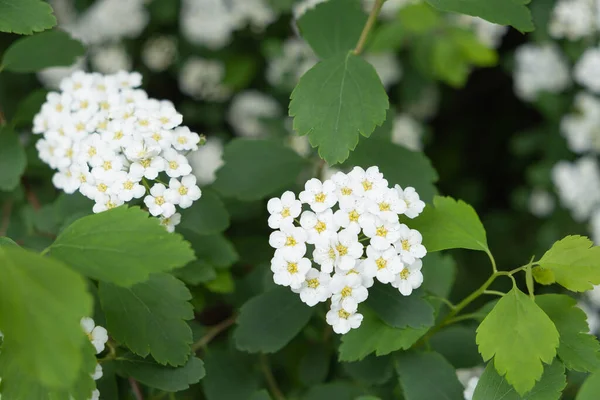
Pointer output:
x,y
582,127
206,161
295,59
248,110
202,79
539,68
541,203
573,19
387,66
407,132
159,52
578,186
110,59
586,69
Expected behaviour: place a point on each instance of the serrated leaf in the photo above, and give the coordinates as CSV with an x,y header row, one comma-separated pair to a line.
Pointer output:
x,y
206,216
12,159
25,16
399,165
248,162
47,49
228,376
196,272
492,386
41,296
450,224
215,250
336,100
578,350
372,370
121,246
149,317
374,335
333,26
269,321
502,12
427,376
590,388
400,311
165,378
519,336
573,262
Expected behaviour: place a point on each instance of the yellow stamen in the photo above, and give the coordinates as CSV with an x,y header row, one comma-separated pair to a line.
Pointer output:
x,y
405,245
159,200
313,283
290,241
342,250
347,291
285,212
320,197
343,314
353,216
292,267
320,226
404,274
381,231
381,263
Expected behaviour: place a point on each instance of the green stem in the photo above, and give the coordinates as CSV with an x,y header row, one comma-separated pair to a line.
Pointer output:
x,y
271,382
494,292
362,41
492,260
212,332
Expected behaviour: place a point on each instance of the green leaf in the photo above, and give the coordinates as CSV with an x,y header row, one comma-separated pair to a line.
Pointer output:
x,y
314,365
269,321
457,344
28,108
450,224
502,12
25,16
12,159
374,335
333,26
165,378
47,49
400,311
122,246
41,304
215,250
573,262
590,388
228,376
427,376
472,49
519,336
492,386
149,317
248,162
196,272
223,283
399,165
439,272
372,370
5,241
388,37
261,395
206,216
333,390
336,100
419,18
578,350
448,63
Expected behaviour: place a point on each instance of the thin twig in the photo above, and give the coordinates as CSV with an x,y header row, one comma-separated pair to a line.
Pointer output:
x,y
271,382
362,41
31,196
494,292
212,332
135,387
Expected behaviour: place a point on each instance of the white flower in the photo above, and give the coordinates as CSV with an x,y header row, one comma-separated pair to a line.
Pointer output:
x,y
539,68
409,278
409,244
414,205
573,19
359,269
97,372
595,227
289,240
342,320
159,52
382,233
407,132
206,161
367,183
147,168
320,196
171,222
386,204
320,227
315,288
203,79
348,291
156,202
176,164
283,210
184,139
347,249
350,217
98,335
582,128
183,193
541,203
586,70
106,202
578,186
289,269
95,395
384,265
343,190
248,111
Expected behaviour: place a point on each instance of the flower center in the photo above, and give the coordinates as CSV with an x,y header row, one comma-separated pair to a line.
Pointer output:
x,y
320,226
342,250
144,122
182,140
145,163
59,108
346,191
285,212
102,187
381,231
405,245
313,283
107,165
332,253
347,291
183,190
164,120
384,207
80,126
156,136
290,241
173,165
343,314
118,135
320,197
353,216
159,200
381,263
367,185
292,267
92,152
128,185
404,274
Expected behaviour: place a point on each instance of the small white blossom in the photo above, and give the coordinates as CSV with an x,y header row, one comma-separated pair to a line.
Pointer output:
x,y
586,70
320,227
414,205
348,290
171,222
367,183
315,288
409,278
183,193
290,269
157,203
319,195
382,233
97,372
539,68
387,205
97,335
289,240
342,320
384,265
409,244
283,210
176,164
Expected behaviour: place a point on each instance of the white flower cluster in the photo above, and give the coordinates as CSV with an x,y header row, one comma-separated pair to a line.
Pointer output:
x,y
539,68
573,19
586,70
211,23
249,109
159,52
98,336
108,140
202,79
367,211
582,128
578,186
